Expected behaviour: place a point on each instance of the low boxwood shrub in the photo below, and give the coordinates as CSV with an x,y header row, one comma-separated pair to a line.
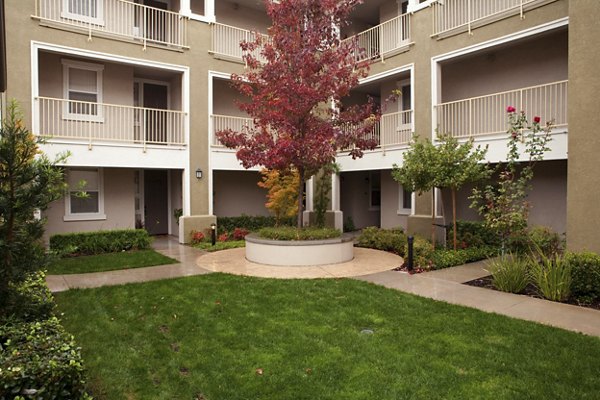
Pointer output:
x,y
290,233
250,223
422,252
445,258
510,273
39,360
90,243
392,240
473,234
31,299
585,269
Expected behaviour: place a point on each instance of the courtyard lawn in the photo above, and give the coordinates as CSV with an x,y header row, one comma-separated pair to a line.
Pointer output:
x,y
218,337
108,262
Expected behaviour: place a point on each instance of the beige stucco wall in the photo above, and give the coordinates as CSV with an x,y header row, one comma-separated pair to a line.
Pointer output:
x,y
237,193
583,213
224,99
534,62
354,199
119,206
240,16
390,201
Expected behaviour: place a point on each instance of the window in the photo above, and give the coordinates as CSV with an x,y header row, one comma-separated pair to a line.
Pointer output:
x,y
405,201
89,206
375,191
84,10
83,88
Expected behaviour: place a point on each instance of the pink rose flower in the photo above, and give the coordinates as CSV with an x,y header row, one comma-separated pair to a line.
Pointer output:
x,y
510,109
537,120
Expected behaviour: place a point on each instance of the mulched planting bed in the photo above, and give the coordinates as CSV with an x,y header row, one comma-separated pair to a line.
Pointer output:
x,y
530,290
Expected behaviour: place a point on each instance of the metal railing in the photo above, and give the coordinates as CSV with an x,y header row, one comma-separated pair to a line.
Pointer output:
x,y
449,15
97,122
118,18
486,115
225,122
384,38
226,41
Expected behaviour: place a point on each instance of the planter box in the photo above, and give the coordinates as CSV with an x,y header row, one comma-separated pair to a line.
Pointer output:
x,y
296,253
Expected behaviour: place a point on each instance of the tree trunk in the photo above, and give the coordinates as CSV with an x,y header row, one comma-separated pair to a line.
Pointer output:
x,y
300,197
454,216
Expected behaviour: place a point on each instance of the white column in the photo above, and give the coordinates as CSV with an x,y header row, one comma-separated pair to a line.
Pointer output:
x,y
184,7
310,195
209,9
335,192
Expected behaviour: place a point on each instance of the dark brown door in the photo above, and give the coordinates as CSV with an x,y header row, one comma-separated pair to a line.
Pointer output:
x,y
156,99
156,213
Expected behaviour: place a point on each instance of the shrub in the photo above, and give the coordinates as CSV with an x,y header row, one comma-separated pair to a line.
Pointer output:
x,y
40,361
448,258
392,240
422,252
552,276
31,299
509,273
349,224
585,267
239,233
480,253
546,240
197,237
474,234
223,237
90,243
290,233
250,223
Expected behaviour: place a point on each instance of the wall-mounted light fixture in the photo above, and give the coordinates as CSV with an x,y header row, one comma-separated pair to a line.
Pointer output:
x,y
198,173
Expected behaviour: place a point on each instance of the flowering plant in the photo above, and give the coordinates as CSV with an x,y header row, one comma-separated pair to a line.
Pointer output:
x,y
223,237
197,237
239,233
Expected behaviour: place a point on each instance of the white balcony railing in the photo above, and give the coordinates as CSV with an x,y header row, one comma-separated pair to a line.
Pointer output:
x,y
116,18
226,41
454,16
384,39
99,123
225,122
486,115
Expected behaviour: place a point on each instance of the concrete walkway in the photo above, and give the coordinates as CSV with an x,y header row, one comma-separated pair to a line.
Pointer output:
x,y
369,265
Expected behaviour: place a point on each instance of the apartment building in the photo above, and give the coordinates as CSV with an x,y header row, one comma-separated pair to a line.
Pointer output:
x,y
135,91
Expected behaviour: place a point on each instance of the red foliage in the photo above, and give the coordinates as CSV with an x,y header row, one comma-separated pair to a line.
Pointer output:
x,y
223,237
197,237
239,233
307,66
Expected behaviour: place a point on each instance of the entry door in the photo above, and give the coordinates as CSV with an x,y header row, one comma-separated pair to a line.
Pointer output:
x,y
156,204
156,97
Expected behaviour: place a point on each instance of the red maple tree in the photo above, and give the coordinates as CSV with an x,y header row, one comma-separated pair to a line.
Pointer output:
x,y
296,78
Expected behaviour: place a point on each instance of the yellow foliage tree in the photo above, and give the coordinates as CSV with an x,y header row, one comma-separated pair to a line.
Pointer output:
x,y
282,193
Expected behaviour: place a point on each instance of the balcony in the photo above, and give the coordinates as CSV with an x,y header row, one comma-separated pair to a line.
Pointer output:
x,y
117,19
384,40
92,123
451,17
225,122
226,41
486,115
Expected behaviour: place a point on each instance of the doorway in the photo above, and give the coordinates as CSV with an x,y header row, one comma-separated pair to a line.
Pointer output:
x,y
154,96
156,202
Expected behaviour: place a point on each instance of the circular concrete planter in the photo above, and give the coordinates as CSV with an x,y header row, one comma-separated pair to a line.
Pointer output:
x,y
296,253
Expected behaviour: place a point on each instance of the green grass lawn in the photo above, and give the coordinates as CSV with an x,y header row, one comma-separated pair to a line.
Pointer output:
x,y
207,246
224,337
108,262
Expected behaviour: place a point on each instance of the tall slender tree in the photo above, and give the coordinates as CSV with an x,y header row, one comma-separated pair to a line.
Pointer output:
x,y
295,81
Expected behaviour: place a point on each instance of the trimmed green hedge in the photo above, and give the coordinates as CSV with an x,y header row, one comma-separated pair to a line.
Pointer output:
x,y
90,243
290,233
585,269
251,223
39,360
445,258
31,299
473,234
392,240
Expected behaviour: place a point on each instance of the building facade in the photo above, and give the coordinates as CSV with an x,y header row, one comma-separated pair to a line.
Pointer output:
x,y
135,91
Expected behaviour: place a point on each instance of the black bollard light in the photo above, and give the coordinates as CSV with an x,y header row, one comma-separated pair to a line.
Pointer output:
x,y
213,233
409,263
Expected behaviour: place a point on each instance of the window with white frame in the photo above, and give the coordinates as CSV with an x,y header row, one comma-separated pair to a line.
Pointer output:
x,y
405,201
375,190
90,11
85,197
83,89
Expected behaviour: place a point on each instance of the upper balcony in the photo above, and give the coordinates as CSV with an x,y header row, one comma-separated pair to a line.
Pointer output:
x,y
451,17
151,23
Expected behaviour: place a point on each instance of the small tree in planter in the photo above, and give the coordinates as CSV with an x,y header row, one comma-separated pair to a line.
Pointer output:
x,y
29,182
503,204
282,192
295,90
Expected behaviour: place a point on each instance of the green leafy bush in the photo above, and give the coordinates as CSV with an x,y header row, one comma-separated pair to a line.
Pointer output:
x,y
586,276
291,233
392,240
90,243
448,258
545,240
422,253
510,273
474,234
552,276
39,360
31,299
349,224
250,223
